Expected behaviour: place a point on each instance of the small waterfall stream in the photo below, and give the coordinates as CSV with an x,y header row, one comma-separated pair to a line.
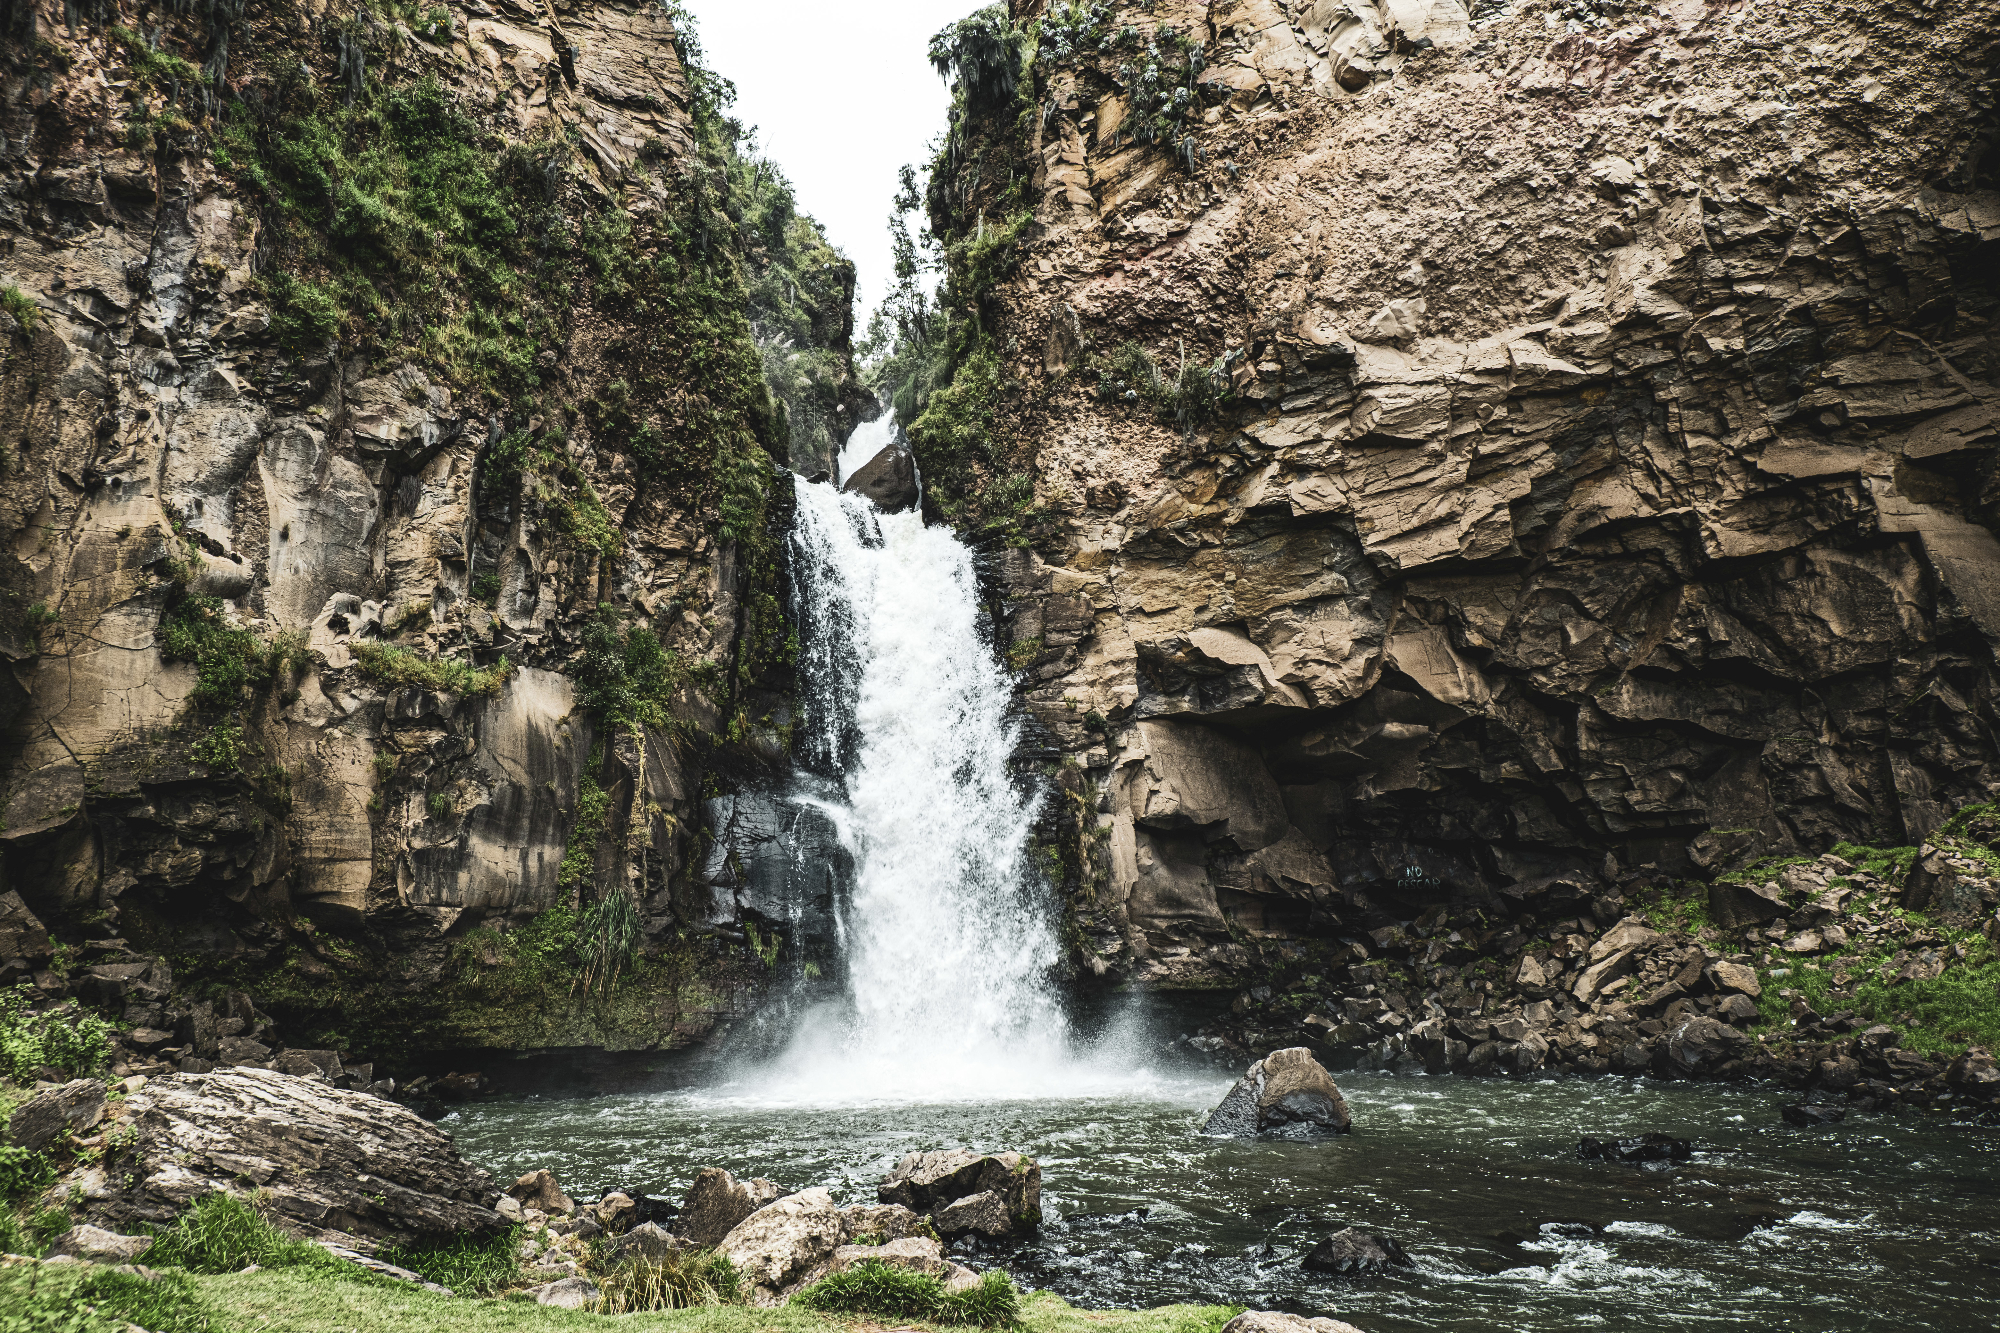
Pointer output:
x,y
948,935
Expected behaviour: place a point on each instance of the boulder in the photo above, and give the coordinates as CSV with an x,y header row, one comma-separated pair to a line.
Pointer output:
x,y
615,1211
1357,1253
1738,1010
648,1240
889,479
45,1117
985,1213
1700,1045
1287,1095
1652,1152
779,1245
919,1254
306,1064
881,1222
947,1187
1736,977
1809,1115
717,1202
100,1246
330,1164
538,1189
1631,933
1273,1321
24,944
1601,974
570,1293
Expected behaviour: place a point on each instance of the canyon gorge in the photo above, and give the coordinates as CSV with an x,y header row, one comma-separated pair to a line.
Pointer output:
x,y
1434,538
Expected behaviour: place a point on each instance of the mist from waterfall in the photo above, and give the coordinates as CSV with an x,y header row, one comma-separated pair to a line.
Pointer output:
x,y
948,934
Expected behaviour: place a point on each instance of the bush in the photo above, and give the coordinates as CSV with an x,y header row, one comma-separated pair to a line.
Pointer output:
x,y
225,658
468,1265
678,1281
18,304
84,1298
70,1040
23,1172
220,1233
393,668
897,1293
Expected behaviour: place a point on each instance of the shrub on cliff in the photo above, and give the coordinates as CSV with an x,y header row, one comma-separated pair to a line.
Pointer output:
x,y
72,1041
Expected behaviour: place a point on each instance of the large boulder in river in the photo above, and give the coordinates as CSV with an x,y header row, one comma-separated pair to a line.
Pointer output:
x,y
1356,1253
328,1164
717,1202
889,478
1286,1095
963,1192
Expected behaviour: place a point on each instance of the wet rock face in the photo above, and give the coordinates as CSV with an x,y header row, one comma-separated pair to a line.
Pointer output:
x,y
1286,1095
332,1164
1567,505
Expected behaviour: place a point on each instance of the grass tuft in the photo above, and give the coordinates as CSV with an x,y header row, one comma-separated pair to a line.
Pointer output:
x,y
469,1265
220,1233
872,1288
84,1298
678,1281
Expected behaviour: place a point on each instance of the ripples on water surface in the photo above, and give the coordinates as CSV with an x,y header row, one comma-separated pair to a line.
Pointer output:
x,y
1877,1223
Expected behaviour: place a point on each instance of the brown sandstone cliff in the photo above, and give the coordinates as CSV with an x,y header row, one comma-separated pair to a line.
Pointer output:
x,y
387,357
1608,458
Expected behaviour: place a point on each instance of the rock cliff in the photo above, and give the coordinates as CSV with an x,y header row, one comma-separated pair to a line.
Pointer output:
x,y
1476,458
390,401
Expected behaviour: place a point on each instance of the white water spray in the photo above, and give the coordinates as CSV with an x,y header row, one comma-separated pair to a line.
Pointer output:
x,y
948,935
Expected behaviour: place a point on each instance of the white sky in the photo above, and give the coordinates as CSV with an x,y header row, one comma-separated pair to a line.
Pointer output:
x,y
842,95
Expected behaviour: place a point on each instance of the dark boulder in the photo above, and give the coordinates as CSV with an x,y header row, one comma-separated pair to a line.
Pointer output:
x,y
45,1117
1357,1253
1287,1095
1652,1152
889,479
1812,1114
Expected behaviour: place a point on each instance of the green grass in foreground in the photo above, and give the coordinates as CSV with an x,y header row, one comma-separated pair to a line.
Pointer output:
x,y
308,1301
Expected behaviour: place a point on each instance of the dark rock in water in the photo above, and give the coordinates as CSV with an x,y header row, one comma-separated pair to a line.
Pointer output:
x,y
889,479
1807,1115
1653,1152
1286,1095
962,1192
1357,1253
717,1201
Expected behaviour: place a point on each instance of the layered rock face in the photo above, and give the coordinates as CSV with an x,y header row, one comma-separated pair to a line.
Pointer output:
x,y
384,464
1607,455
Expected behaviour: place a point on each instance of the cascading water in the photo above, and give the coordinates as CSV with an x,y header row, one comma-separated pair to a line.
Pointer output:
x,y
947,933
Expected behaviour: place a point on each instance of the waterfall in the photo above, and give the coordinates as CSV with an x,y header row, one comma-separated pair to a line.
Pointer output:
x,y
948,934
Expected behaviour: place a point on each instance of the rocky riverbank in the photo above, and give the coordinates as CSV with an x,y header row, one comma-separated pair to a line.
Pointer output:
x,y
1867,973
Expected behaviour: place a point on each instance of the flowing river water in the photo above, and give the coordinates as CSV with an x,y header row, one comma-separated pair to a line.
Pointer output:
x,y
940,1027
